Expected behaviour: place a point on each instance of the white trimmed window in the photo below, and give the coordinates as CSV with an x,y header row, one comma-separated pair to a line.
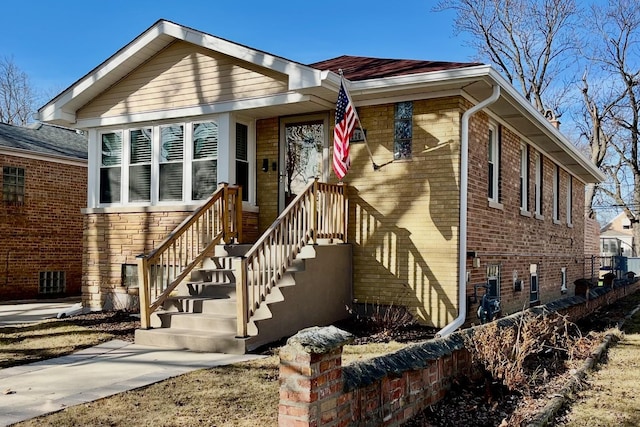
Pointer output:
x,y
538,185
534,292
524,177
242,159
110,167
556,193
569,200
493,148
147,165
52,282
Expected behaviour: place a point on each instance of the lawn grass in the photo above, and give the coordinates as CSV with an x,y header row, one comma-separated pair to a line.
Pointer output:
x,y
244,394
613,394
30,343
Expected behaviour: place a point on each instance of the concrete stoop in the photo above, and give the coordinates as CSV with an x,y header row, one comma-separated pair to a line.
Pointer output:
x,y
201,315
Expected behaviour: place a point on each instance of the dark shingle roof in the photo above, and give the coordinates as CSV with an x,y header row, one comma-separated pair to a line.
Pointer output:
x,y
363,68
44,139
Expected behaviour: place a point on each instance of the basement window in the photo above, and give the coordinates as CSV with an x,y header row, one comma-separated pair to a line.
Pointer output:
x,y
534,292
130,276
13,185
52,282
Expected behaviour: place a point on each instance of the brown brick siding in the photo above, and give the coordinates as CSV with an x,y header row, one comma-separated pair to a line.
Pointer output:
x,y
113,239
45,234
591,237
513,240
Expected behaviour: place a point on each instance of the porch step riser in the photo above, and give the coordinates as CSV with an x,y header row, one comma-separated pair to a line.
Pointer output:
x,y
198,322
181,340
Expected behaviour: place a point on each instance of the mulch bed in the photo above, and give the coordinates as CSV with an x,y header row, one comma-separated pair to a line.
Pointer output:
x,y
119,323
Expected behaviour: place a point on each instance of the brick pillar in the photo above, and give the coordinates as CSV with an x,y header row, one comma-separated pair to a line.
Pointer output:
x,y
311,383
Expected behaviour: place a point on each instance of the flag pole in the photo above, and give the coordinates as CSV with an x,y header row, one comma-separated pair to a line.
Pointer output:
x,y
364,135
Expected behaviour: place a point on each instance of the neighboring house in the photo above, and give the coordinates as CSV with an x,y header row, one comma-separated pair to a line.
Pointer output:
x,y
44,188
616,237
176,111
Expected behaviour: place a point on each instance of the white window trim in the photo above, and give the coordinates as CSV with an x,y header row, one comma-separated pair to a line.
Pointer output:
x,y
569,201
225,161
538,187
556,194
495,159
533,272
524,179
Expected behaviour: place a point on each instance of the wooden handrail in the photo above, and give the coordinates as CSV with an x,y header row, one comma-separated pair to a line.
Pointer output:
x,y
318,212
165,267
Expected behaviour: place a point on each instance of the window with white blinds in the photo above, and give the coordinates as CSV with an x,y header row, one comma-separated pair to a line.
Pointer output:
x,y
171,158
205,160
110,167
162,163
140,165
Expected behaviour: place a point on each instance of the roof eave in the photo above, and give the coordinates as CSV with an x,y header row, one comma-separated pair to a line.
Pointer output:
x,y
62,109
594,175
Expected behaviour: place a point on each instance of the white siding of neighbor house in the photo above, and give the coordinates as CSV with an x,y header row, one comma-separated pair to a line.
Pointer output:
x,y
184,75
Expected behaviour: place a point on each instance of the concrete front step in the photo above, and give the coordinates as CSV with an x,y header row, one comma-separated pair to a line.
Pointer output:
x,y
204,341
199,321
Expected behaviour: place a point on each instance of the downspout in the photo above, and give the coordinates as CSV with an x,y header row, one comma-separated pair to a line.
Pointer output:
x,y
464,190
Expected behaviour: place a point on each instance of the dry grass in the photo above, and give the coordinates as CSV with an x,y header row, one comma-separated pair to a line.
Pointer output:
x,y
26,344
613,394
245,394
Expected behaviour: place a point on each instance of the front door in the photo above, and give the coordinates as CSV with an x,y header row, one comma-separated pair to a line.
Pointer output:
x,y
304,155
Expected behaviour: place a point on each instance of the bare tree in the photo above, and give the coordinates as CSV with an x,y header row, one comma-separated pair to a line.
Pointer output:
x,y
17,97
528,40
615,51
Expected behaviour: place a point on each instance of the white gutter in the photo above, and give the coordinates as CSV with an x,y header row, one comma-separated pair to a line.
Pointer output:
x,y
464,190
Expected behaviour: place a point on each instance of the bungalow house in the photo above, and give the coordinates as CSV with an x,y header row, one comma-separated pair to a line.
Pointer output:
x,y
44,188
455,181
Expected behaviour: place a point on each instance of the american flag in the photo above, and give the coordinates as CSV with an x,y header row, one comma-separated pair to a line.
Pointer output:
x,y
345,125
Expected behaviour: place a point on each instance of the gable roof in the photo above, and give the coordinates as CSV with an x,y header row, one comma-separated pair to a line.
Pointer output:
x,y
313,88
44,139
357,68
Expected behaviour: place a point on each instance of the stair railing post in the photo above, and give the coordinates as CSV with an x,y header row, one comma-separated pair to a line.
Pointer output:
x,y
314,212
242,296
225,212
239,215
345,212
143,289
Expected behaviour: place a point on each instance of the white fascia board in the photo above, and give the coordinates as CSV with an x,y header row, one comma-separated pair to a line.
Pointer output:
x,y
50,113
535,116
300,76
54,109
217,108
387,84
27,154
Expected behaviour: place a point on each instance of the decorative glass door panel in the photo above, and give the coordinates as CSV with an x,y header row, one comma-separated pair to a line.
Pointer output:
x,y
305,151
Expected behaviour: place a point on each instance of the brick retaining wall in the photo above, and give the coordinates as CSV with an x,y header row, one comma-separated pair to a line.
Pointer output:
x,y
316,390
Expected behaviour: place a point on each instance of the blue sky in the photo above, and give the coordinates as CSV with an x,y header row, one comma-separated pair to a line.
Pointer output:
x,y
57,42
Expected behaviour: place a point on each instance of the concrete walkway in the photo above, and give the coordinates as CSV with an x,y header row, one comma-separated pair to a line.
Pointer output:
x,y
38,388
32,311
